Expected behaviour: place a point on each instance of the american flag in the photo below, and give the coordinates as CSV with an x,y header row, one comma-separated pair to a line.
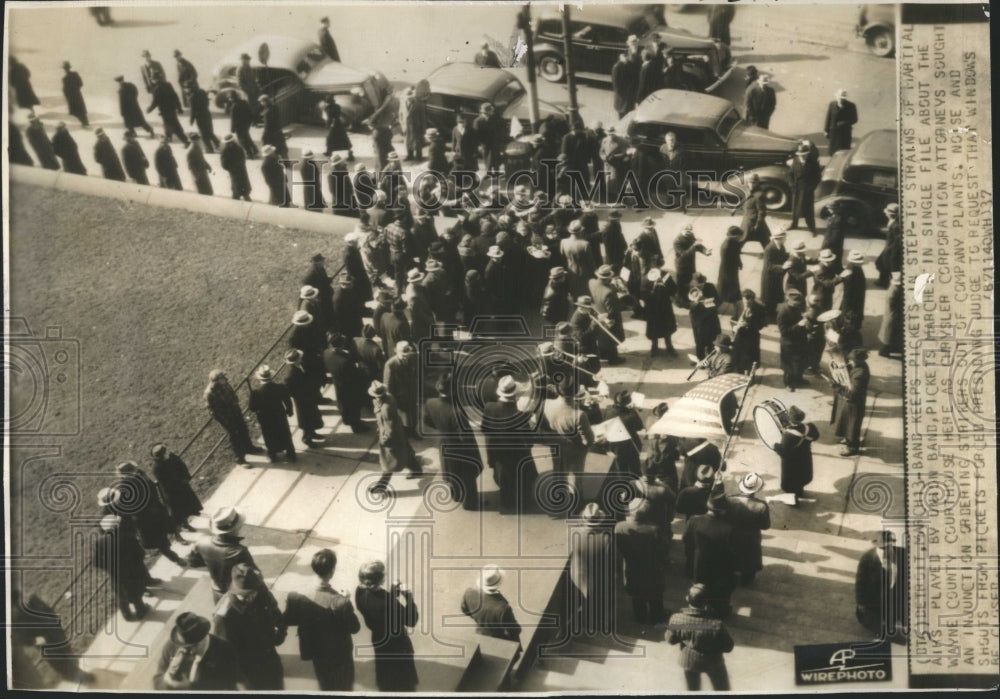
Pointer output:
x,y
699,412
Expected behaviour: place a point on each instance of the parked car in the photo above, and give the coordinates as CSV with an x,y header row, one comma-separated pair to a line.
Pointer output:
x,y
465,87
298,76
877,26
716,139
599,34
865,179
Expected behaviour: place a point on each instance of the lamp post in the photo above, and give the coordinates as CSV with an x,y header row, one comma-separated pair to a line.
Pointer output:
x,y
574,109
524,24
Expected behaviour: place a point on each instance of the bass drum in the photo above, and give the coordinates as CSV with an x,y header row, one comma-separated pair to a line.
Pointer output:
x,y
770,418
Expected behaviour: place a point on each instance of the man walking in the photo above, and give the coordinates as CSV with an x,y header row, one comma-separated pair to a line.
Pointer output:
x,y
166,102
107,158
644,547
72,87
234,161
121,557
166,165
487,606
625,84
460,459
135,160
395,452
187,75
41,144
240,120
66,150
805,174
202,116
841,116
128,107
152,71
703,641
198,166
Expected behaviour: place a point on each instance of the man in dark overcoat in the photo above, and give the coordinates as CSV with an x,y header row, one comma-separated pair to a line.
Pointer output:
x,y
625,84
223,550
754,224
326,41
301,387
166,165
272,135
187,75
703,640
772,274
240,120
608,306
234,161
128,107
348,306
792,327
487,606
152,71
508,447
41,144
64,146
750,319
853,298
401,377
849,402
749,516
174,481
119,554
460,459
805,174
224,405
272,405
395,452
644,547
709,552
349,382
795,450
198,166
168,104
202,117
704,312
841,116
72,87
274,177
134,160
760,102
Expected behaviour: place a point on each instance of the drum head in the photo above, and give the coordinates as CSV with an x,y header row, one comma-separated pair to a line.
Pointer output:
x,y
766,420
827,316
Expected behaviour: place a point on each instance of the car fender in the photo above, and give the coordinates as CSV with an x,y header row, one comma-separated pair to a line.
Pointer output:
x,y
548,47
862,208
778,173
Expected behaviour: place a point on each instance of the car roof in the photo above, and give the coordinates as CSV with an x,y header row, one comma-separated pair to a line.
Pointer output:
x,y
683,108
335,74
614,15
469,79
286,51
876,149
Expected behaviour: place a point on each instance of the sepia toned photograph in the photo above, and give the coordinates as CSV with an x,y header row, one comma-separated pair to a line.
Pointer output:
x,y
397,347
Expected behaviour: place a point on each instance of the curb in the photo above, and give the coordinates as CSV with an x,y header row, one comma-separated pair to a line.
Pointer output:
x,y
249,212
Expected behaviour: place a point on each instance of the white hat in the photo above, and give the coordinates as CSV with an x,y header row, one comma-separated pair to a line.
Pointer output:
x,y
302,318
490,578
495,252
856,258
308,292
751,483
506,387
227,520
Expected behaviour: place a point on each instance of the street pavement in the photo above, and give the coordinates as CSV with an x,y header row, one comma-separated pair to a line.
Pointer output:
x,y
805,593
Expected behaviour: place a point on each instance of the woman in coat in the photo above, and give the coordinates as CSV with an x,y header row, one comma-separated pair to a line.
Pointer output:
x,y
174,480
795,450
388,613
336,129
730,265
660,320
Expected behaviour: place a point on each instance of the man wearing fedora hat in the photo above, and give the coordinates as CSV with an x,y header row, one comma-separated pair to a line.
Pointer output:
x,y
401,377
608,306
224,405
659,310
419,306
168,104
303,393
508,447
796,267
318,278
272,404
308,336
395,452
826,278
881,589
703,640
890,333
275,178
72,87
754,224
241,118
572,434
166,165
841,116
459,449
795,450
248,617
139,500
710,556
151,70
749,516
272,135
792,327
312,181
891,258
66,149
201,116
117,552
556,299
853,298
693,500
194,659
772,274
106,157
644,548
850,401
223,550
128,106
722,362
349,380
198,166
696,452
233,160
580,266
748,319
338,180
348,306
805,174
134,160
487,606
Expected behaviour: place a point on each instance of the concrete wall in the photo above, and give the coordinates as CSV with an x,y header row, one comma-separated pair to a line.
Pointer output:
x,y
251,212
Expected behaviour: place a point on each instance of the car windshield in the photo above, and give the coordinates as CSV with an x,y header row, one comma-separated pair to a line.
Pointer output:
x,y
727,123
507,94
639,26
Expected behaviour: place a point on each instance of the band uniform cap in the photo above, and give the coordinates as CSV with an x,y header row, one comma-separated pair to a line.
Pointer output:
x,y
264,374
593,514
189,628
293,356
855,257
302,318
507,386
751,483
827,255
695,295
227,520
795,413
605,272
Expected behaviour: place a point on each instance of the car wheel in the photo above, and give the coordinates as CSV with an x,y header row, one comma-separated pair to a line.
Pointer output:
x,y
881,42
551,67
775,195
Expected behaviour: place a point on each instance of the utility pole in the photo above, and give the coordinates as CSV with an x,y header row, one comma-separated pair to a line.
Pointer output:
x,y
524,24
574,109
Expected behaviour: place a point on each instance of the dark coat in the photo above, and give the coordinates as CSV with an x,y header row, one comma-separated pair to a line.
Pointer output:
x,y
65,147
730,265
685,261
401,377
220,554
772,276
349,383
592,560
303,392
135,162
795,450
328,45
693,500
460,459
234,161
625,84
20,78
336,129
272,134
395,452
614,244
882,606
508,451
394,327
754,223
760,104
255,629
348,310
121,557
174,479
660,319
556,303
698,452
705,318
825,282
72,87
746,339
840,120
165,101
166,167
199,168
388,619
326,622
240,116
153,520
644,548
805,175
854,293
128,106
274,177
849,405
201,115
650,75
833,236
702,638
891,333
272,405
318,278
749,516
15,146
42,146
151,72
710,555
218,671
492,613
